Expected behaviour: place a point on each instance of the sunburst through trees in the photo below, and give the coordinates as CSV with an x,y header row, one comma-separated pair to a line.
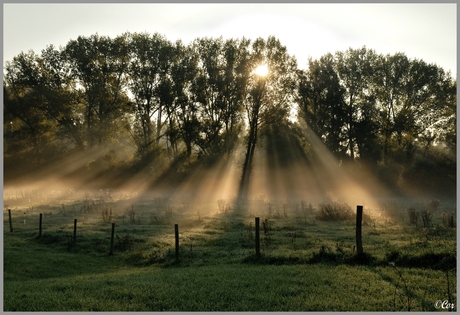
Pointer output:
x,y
215,117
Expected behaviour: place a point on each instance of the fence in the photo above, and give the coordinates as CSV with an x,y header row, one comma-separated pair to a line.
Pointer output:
x,y
359,247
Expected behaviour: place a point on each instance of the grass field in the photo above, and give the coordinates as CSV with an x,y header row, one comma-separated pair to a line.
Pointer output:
x,y
307,263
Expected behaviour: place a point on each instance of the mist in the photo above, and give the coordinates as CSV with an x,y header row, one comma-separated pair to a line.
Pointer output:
x,y
285,174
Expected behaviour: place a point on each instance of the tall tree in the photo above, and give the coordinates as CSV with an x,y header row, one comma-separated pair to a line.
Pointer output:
x,y
23,103
181,108
219,88
99,66
321,104
269,96
414,99
150,59
355,69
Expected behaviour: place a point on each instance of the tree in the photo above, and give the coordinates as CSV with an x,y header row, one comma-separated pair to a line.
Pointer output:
x,y
321,104
22,104
99,65
415,102
181,109
62,102
218,89
150,60
355,70
269,97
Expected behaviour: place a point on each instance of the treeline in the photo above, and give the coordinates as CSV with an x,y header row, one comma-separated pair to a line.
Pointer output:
x,y
141,103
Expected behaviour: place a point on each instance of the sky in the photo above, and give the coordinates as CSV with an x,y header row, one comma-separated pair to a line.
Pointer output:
x,y
422,31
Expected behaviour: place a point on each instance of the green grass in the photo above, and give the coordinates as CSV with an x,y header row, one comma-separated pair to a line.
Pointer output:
x,y
305,265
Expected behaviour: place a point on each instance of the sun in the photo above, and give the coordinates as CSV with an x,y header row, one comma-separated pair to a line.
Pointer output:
x,y
261,70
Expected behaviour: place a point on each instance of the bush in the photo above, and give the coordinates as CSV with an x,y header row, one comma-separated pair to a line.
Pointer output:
x,y
334,212
124,243
427,217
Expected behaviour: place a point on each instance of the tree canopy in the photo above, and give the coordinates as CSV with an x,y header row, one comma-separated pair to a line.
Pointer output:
x,y
141,103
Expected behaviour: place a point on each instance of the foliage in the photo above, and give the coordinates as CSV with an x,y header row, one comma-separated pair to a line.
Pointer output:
x,y
139,103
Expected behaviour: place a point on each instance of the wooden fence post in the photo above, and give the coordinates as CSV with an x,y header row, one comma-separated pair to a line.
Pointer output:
x,y
359,219
258,237
176,232
11,222
75,231
112,239
40,226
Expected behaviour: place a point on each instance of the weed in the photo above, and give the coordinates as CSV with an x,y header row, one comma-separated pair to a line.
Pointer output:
x,y
106,214
270,210
427,218
449,293
408,294
285,214
267,227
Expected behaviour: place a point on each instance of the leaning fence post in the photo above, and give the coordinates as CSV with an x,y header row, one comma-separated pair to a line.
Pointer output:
x,y
257,237
176,233
9,217
40,226
112,239
359,219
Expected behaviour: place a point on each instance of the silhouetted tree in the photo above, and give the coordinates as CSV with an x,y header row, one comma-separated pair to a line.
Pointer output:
x,y
415,102
218,89
355,69
269,98
320,100
150,60
99,65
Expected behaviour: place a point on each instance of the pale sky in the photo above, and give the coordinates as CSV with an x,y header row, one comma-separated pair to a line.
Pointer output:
x,y
422,31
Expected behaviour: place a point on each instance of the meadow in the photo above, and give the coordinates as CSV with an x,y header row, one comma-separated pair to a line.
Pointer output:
x,y
307,261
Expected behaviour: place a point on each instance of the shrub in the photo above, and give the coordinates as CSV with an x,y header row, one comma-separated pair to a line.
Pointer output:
x,y
427,217
412,216
448,219
334,212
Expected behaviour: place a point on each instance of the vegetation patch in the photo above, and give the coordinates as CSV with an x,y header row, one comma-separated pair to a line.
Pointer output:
x,y
334,211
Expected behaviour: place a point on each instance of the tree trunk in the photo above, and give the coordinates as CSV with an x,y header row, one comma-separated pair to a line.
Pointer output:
x,y
247,166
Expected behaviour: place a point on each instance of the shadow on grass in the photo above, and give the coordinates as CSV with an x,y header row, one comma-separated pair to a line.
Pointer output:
x,y
442,261
317,258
